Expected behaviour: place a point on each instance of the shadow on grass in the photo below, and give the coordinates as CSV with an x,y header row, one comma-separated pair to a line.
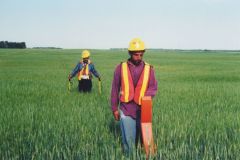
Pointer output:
x,y
114,128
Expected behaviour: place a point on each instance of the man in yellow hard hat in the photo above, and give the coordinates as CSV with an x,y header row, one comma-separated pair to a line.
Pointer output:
x,y
132,80
85,69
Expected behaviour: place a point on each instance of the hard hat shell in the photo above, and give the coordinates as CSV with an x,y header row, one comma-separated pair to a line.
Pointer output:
x,y
136,44
85,54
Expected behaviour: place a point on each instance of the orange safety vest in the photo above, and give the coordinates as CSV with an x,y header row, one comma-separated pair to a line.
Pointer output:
x,y
128,92
84,71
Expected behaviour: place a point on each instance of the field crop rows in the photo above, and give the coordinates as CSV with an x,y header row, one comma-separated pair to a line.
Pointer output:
x,y
196,110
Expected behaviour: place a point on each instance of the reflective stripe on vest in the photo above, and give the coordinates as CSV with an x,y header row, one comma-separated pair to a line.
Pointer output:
x,y
127,89
84,71
128,92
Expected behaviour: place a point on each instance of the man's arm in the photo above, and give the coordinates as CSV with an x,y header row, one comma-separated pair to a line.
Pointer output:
x,y
76,70
94,71
115,88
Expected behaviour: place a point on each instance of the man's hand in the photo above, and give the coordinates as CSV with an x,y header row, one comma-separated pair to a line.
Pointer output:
x,y
69,77
116,115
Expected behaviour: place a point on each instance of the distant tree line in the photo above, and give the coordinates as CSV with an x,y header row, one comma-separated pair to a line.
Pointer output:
x,y
46,48
6,44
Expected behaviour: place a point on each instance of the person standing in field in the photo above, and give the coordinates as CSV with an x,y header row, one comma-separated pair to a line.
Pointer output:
x,y
132,80
85,69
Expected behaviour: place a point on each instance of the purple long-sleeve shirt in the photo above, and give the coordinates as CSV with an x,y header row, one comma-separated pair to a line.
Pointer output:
x,y
131,108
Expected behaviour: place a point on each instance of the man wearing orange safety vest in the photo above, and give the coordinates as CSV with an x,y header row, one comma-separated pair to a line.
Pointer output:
x,y
84,69
132,80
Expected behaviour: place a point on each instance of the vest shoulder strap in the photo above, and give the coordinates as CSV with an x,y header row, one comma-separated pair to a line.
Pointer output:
x,y
145,63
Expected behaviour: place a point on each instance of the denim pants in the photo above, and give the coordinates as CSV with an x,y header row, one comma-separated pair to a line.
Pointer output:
x,y
131,131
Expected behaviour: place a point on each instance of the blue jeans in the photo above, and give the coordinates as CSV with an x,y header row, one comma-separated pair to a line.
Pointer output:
x,y
131,131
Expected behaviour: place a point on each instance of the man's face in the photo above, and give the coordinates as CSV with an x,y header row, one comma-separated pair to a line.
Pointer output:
x,y
137,56
85,60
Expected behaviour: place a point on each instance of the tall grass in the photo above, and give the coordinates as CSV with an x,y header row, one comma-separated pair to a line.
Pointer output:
x,y
196,110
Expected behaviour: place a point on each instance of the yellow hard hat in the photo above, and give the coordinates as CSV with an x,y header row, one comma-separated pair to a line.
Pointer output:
x,y
85,54
136,44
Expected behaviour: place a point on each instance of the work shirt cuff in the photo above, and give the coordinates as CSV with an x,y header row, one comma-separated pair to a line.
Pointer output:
x,y
114,108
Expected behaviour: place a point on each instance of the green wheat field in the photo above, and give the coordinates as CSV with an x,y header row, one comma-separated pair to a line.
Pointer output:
x,y
196,112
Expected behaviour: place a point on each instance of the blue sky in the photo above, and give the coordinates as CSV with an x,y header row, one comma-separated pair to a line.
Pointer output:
x,y
182,24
